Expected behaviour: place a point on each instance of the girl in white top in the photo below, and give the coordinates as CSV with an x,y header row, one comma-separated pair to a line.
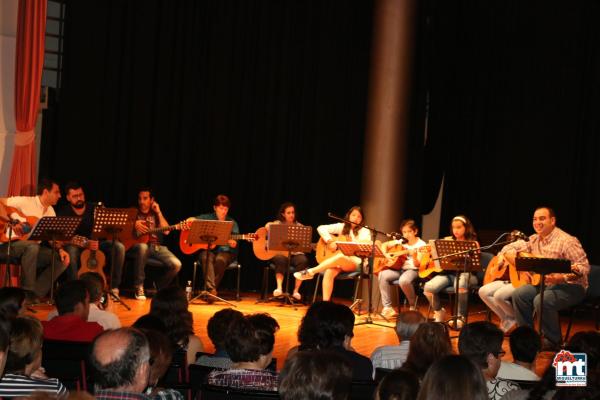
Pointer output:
x,y
338,263
408,273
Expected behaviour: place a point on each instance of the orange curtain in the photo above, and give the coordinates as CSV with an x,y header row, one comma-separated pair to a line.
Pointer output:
x,y
31,28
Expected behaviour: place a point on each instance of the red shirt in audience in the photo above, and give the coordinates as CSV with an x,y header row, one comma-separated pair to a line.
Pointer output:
x,y
71,328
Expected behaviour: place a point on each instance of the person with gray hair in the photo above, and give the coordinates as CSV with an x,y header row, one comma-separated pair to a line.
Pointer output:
x,y
121,359
392,357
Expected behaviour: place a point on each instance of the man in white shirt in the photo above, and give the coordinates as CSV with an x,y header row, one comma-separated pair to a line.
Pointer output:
x,y
525,344
392,357
31,254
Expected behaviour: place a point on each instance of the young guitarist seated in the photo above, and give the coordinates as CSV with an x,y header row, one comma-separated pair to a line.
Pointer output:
x,y
403,263
336,262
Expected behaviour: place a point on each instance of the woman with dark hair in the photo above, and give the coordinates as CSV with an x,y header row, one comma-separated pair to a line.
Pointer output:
x,y
462,229
315,375
23,374
405,269
338,263
12,301
287,215
398,385
249,344
329,326
170,305
453,378
429,343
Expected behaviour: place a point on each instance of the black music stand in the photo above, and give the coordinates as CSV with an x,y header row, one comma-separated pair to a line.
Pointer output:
x,y
109,222
53,229
363,251
542,266
212,233
461,256
285,237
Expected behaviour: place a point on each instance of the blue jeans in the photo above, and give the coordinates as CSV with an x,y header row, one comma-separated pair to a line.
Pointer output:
x,y
116,269
406,278
141,252
440,282
556,298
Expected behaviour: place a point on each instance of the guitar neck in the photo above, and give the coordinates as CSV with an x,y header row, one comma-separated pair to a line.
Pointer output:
x,y
239,236
163,229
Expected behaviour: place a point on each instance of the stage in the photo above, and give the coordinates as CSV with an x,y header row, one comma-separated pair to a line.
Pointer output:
x,y
366,337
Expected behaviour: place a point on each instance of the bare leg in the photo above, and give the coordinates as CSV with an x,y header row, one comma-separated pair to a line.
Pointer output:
x,y
328,278
279,279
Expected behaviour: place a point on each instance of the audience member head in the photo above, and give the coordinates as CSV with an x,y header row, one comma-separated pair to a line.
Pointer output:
x,y
315,375
525,344
12,301
4,340
398,385
453,377
326,325
429,343
160,352
250,340
94,283
72,298
121,360
481,341
218,326
407,324
25,346
150,322
171,306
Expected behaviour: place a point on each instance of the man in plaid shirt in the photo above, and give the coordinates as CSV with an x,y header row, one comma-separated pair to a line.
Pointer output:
x,y
562,290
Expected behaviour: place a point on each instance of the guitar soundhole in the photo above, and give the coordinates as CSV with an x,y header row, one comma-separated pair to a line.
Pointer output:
x,y
93,263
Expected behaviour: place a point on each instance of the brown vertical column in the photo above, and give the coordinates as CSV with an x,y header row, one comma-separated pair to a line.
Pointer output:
x,y
384,171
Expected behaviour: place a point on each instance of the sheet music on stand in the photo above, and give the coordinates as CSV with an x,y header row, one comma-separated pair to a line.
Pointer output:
x,y
110,221
359,249
296,238
215,232
467,262
55,228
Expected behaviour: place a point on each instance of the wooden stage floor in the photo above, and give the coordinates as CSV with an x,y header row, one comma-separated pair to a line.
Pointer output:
x,y
366,337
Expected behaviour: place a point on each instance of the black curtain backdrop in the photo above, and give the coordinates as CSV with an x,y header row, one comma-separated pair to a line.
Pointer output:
x,y
264,101
514,123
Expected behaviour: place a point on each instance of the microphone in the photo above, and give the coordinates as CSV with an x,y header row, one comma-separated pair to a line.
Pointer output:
x,y
397,236
519,235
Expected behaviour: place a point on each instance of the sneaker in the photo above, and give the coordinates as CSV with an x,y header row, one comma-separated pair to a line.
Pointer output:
x,y
508,325
139,293
388,312
297,296
303,275
115,291
277,293
456,324
413,308
439,316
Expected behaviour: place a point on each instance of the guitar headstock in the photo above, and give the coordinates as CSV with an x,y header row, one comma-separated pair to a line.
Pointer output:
x,y
250,237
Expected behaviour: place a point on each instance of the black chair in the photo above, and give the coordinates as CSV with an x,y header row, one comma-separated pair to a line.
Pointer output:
x,y
361,390
233,266
354,275
211,392
380,373
177,373
591,301
68,362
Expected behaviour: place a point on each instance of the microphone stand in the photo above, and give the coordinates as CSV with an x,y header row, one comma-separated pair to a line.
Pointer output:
x,y
374,232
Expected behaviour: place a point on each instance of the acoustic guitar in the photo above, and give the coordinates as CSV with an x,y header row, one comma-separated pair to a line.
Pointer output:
x,y
28,225
508,271
394,259
427,265
137,237
92,261
323,252
189,248
259,246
